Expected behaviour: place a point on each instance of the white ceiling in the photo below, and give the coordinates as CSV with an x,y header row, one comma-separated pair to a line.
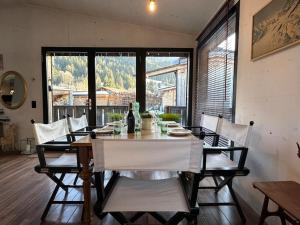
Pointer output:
x,y
187,16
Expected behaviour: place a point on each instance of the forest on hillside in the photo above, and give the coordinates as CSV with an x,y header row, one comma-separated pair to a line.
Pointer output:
x,y
111,71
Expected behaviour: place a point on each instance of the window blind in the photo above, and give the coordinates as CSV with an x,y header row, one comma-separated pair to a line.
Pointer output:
x,y
215,73
214,82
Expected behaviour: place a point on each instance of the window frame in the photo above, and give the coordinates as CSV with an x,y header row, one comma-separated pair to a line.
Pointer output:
x,y
140,78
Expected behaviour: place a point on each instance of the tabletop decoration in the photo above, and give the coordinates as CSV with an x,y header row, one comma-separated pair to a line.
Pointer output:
x,y
146,120
170,117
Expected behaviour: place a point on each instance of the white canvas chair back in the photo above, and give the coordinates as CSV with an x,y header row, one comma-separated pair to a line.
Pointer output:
x,y
148,155
139,195
234,132
209,122
76,124
48,132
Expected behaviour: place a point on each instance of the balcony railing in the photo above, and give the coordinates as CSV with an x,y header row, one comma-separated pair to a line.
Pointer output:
x,y
102,112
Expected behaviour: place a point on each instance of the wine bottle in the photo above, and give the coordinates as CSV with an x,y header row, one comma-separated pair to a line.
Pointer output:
x,y
137,117
130,120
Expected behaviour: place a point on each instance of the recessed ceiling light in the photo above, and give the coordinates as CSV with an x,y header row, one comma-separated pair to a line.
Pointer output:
x,y
152,6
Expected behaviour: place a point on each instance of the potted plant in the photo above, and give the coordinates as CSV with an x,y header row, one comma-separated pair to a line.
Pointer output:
x,y
170,117
115,117
146,121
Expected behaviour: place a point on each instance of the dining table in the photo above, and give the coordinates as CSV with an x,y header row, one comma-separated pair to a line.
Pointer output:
x,y
84,145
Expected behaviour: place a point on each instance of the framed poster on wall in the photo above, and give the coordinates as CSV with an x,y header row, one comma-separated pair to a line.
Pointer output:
x,y
275,27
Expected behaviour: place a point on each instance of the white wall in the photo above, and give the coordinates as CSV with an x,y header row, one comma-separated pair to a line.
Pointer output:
x,y
268,92
25,29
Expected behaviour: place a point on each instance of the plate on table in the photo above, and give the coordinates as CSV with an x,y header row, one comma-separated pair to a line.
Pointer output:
x,y
179,132
104,130
171,123
111,124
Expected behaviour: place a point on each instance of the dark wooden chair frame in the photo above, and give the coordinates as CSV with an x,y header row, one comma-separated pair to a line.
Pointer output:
x,y
52,171
228,175
189,182
223,177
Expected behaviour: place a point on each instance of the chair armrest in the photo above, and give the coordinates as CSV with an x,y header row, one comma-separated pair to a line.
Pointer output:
x,y
212,134
199,127
86,130
219,150
211,150
59,146
225,149
41,156
207,134
74,134
58,143
90,128
66,145
192,127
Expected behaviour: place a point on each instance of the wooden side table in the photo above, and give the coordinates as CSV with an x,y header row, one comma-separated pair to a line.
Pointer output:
x,y
286,194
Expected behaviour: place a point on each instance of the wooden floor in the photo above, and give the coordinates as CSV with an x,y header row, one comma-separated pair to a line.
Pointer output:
x,y
24,194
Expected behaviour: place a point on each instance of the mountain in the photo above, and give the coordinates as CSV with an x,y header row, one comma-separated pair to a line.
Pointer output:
x,y
111,71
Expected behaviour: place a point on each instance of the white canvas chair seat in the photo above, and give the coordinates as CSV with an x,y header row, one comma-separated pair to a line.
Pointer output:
x,y
66,159
219,161
76,124
132,195
149,175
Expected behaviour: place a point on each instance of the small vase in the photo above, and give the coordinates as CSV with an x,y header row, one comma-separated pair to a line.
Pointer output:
x,y
146,123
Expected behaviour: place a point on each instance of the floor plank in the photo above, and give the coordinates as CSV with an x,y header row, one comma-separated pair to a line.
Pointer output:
x,y
24,194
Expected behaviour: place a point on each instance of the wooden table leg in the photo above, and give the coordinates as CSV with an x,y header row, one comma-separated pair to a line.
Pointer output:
x,y
85,159
281,216
264,211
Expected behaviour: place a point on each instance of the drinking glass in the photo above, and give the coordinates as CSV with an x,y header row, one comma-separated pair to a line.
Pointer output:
x,y
158,124
117,128
164,128
125,117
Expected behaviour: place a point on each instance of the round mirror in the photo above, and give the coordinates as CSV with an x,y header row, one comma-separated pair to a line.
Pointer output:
x,y
13,90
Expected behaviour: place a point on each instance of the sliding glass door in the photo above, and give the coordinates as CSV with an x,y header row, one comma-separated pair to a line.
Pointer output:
x,y
67,84
102,82
115,84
